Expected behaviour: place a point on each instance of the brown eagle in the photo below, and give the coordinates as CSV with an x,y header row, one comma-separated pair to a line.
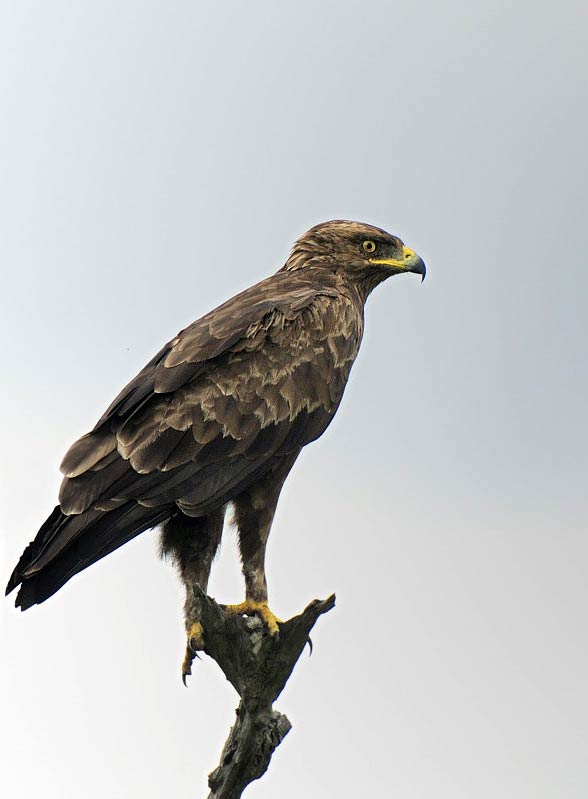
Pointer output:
x,y
218,416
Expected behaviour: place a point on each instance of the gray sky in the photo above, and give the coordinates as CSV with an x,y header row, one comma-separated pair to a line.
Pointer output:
x,y
159,157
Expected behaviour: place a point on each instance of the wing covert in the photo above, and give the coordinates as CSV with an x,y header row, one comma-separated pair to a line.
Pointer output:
x,y
244,384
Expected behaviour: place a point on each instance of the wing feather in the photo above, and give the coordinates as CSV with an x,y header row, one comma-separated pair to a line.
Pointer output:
x,y
238,408
217,407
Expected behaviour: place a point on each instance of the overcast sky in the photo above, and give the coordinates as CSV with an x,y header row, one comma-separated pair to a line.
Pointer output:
x,y
158,157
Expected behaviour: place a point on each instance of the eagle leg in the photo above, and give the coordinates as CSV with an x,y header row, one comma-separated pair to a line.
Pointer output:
x,y
254,513
192,544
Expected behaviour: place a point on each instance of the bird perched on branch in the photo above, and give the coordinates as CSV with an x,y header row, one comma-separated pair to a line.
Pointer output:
x,y
218,416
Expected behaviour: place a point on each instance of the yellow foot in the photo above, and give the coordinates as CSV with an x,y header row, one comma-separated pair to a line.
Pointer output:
x,y
196,636
251,607
195,643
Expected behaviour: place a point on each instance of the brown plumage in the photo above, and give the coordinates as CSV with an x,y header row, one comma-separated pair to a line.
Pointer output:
x,y
219,415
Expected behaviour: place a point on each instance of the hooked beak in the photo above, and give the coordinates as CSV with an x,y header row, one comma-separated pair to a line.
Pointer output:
x,y
410,262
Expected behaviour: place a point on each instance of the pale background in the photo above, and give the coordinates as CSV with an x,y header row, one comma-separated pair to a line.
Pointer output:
x,y
156,158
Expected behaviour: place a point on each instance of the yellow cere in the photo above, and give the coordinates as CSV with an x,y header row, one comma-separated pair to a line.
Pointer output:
x,y
408,258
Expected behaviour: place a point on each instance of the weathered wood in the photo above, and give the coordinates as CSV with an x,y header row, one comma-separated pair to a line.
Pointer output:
x,y
258,666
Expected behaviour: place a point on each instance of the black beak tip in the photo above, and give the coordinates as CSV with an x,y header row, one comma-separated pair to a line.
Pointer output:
x,y
420,269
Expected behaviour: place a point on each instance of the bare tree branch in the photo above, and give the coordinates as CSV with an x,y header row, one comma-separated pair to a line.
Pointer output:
x,y
258,666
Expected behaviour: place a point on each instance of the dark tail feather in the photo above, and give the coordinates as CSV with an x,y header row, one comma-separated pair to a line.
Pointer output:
x,y
95,534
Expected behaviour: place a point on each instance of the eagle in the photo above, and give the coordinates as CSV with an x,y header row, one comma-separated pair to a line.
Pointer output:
x,y
218,417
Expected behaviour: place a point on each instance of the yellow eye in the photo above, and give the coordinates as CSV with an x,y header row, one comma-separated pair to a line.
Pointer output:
x,y
369,246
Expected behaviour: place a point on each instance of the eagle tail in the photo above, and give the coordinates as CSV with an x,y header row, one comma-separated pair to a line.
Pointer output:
x,y
65,545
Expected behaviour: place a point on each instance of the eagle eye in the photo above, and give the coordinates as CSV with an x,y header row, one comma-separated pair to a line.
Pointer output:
x,y
369,246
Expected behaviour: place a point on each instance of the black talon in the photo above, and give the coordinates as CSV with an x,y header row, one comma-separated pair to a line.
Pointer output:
x,y
309,642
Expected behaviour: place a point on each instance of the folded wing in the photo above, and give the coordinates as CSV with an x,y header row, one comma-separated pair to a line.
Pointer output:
x,y
217,407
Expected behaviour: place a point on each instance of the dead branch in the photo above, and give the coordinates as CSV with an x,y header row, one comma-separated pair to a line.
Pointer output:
x,y
258,666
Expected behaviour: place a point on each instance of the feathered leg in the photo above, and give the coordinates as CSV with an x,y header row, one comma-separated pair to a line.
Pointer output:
x,y
192,543
254,514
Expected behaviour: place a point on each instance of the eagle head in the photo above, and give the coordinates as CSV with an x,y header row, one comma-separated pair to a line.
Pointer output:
x,y
366,252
